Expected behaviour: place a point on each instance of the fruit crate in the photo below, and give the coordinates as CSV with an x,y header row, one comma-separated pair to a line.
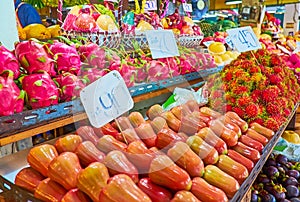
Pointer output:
x,y
33,118
13,193
245,187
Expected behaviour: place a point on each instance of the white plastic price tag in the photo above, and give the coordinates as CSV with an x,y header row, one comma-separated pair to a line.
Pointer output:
x,y
151,5
244,39
162,43
229,42
187,7
106,99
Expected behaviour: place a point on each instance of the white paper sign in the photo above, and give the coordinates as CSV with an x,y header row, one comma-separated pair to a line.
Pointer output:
x,y
106,99
187,7
162,43
244,39
229,42
151,5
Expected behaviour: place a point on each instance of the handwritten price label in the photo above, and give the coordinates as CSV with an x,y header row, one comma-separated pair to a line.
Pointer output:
x,y
106,99
151,5
187,7
162,43
244,39
229,42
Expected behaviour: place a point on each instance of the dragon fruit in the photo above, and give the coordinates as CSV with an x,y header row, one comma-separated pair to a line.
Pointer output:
x,y
66,57
34,57
8,61
70,86
185,66
90,75
93,55
127,71
40,89
11,98
157,71
172,64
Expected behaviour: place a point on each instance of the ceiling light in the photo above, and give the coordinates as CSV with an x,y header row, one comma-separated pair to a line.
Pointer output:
x,y
232,2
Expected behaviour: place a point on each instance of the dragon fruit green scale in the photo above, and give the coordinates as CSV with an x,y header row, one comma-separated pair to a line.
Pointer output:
x,y
11,97
40,89
34,58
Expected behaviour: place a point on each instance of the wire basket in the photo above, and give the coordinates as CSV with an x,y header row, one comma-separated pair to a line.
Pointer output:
x,y
107,39
128,41
189,41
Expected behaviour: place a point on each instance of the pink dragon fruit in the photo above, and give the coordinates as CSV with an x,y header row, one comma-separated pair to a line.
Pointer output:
x,y
93,55
90,75
69,86
127,71
66,57
11,98
8,61
157,71
34,57
172,63
185,66
141,74
40,89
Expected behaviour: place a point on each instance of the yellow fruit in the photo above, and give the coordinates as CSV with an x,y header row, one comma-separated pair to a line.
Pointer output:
x,y
218,59
21,33
54,30
144,26
37,31
176,31
189,21
164,23
225,57
265,36
75,10
106,23
231,54
217,48
291,137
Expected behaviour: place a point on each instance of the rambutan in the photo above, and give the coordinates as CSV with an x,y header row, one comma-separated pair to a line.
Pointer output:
x,y
239,111
273,109
251,110
271,124
275,79
243,101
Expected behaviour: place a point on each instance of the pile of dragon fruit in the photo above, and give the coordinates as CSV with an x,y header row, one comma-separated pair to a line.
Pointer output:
x,y
39,74
293,62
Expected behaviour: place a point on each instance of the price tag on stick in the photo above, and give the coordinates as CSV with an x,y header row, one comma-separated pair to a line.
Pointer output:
x,y
162,43
151,5
106,99
187,7
244,39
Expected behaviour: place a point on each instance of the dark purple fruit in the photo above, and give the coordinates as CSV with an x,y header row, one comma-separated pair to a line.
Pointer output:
x,y
276,191
293,173
254,197
290,181
292,191
294,199
284,200
282,159
262,178
268,198
270,162
272,172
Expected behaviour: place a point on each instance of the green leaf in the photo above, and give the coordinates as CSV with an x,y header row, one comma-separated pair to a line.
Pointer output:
x,y
1,86
42,59
38,83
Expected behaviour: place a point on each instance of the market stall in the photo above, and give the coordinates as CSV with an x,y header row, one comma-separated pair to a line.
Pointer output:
x,y
162,108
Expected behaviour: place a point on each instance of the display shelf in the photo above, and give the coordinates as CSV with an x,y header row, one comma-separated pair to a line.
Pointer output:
x,y
12,164
245,187
31,122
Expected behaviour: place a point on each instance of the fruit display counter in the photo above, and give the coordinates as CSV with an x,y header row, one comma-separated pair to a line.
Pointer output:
x,y
11,165
31,122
